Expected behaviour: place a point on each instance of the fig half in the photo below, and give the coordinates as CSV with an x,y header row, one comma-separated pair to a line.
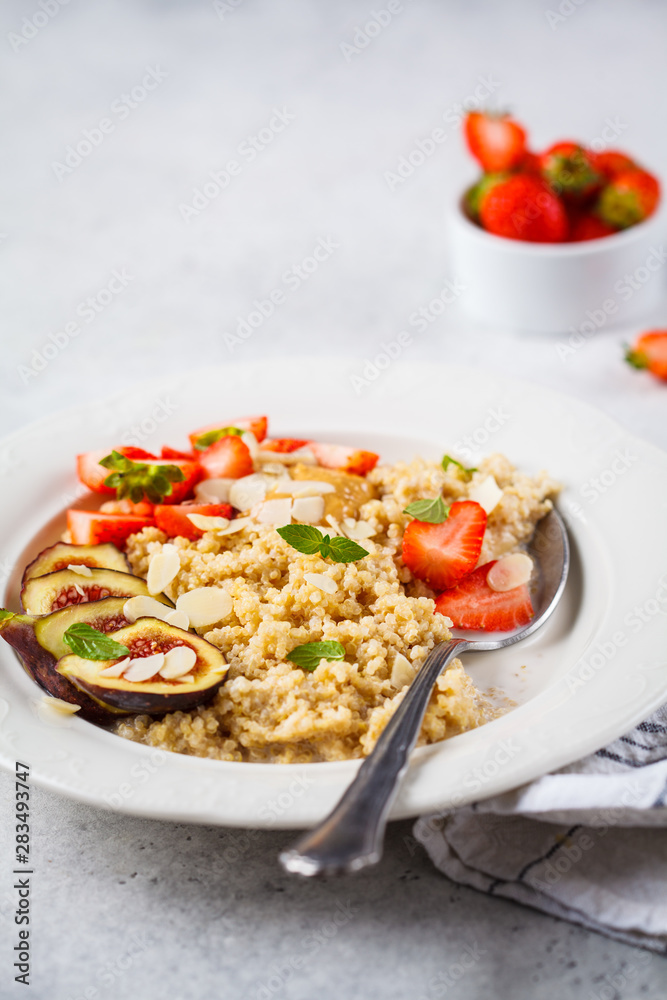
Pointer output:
x,y
43,594
156,694
62,554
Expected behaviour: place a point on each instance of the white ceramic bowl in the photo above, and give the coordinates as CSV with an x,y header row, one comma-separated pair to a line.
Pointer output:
x,y
558,287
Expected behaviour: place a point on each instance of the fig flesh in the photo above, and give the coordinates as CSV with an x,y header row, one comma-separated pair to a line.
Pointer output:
x,y
43,594
152,640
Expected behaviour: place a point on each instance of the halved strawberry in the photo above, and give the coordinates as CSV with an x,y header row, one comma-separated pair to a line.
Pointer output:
x,y
137,454
284,445
92,474
91,527
343,457
496,141
442,554
173,519
171,454
258,426
228,458
650,351
474,605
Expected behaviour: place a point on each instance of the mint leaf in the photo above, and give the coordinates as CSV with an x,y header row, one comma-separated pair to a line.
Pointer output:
x,y
302,537
344,550
309,655
210,437
448,460
136,480
86,641
432,511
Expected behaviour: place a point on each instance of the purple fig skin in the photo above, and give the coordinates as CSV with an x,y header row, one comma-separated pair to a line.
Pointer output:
x,y
41,666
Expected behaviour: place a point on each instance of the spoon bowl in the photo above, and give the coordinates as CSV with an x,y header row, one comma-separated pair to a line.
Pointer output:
x,y
351,837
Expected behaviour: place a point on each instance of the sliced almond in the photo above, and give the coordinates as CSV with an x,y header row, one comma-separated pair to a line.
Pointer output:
x,y
178,661
308,510
322,582
273,468
82,571
247,491
162,568
178,619
80,591
487,493
238,524
358,530
58,706
402,672
116,669
207,523
142,667
144,607
214,490
205,605
509,572
250,441
277,512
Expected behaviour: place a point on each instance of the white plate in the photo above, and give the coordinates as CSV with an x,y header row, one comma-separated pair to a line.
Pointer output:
x,y
595,670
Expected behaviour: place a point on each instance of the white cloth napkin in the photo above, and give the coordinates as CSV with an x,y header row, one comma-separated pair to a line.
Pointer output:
x,y
586,843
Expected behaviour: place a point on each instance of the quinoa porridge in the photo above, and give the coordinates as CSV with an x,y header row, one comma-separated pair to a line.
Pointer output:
x,y
271,710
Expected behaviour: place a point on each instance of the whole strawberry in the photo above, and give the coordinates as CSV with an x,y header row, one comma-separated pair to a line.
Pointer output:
x,y
476,194
650,351
497,142
629,198
523,208
567,167
587,226
611,162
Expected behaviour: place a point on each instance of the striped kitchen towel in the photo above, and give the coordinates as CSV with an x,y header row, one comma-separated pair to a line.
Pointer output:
x,y
586,843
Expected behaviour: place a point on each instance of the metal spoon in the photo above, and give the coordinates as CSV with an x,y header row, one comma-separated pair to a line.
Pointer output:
x,y
351,837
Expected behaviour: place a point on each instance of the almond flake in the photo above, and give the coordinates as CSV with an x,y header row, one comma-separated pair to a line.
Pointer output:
x,y
145,607
277,512
308,510
250,441
402,672
82,571
238,524
178,619
510,572
162,569
214,490
116,669
273,469
487,493
141,668
58,706
322,582
247,491
205,605
358,530
80,591
178,661
207,523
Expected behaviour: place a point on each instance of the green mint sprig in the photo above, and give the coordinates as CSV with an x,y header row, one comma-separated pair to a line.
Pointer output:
x,y
432,511
448,460
308,655
136,480
88,642
309,540
210,437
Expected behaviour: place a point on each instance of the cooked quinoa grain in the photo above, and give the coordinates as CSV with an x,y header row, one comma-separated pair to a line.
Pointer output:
x,y
271,710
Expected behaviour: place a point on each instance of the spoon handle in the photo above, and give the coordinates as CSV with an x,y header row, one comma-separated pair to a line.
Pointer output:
x,y
351,836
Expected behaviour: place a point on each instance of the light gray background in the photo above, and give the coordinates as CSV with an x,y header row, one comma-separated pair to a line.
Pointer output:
x,y
124,904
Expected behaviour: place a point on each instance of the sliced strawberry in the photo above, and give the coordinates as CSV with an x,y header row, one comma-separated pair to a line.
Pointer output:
x,y
174,520
474,605
171,454
650,351
343,457
442,554
228,458
284,445
91,527
137,454
92,474
258,426
496,141
142,509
